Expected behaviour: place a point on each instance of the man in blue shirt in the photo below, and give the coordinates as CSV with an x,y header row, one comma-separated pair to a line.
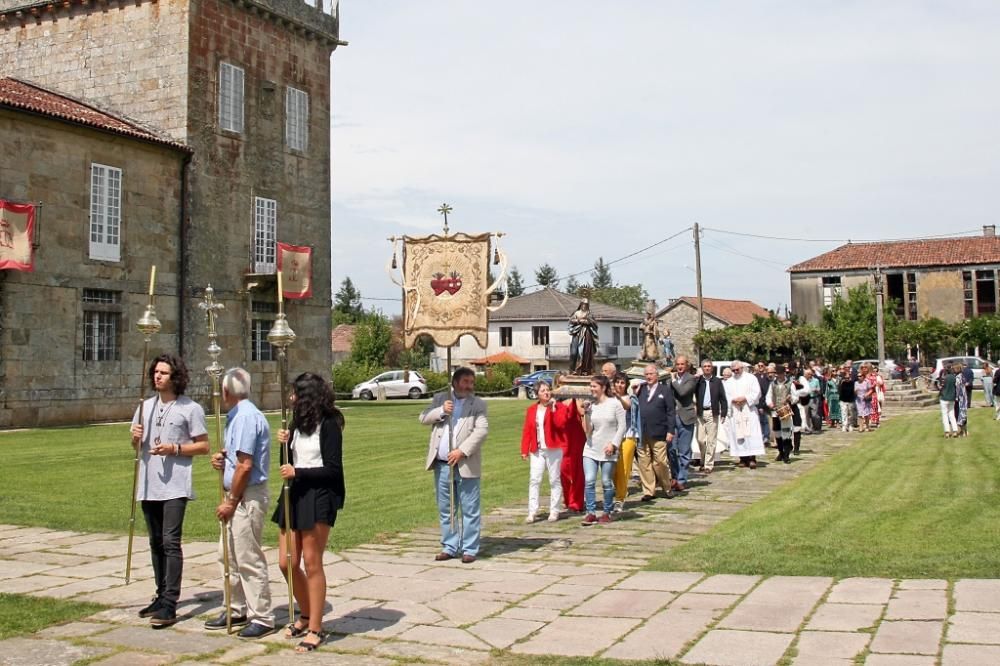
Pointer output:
x,y
245,464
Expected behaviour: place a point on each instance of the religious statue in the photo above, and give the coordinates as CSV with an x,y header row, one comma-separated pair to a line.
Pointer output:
x,y
668,345
583,340
650,335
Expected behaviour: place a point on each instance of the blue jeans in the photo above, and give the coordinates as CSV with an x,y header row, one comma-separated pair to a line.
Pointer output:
x,y
765,424
468,525
679,451
590,467
988,390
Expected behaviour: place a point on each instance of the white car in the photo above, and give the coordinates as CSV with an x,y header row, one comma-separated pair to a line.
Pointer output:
x,y
973,362
414,386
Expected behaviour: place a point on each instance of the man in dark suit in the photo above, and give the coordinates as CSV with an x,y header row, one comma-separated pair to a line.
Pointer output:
x,y
683,386
711,406
656,410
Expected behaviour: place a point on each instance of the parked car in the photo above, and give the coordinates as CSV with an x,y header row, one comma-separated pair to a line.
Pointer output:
x,y
974,362
415,386
888,366
528,381
722,365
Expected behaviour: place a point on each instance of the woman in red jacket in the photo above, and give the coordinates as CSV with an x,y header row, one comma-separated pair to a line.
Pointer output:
x,y
542,444
569,423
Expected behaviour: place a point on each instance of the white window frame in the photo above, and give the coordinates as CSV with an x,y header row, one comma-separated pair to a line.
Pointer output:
x,y
231,96
105,212
296,119
831,290
265,235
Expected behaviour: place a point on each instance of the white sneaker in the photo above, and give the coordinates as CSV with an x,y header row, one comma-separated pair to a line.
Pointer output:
x,y
530,519
553,516
618,507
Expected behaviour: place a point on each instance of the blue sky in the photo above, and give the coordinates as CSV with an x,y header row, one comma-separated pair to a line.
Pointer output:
x,y
585,129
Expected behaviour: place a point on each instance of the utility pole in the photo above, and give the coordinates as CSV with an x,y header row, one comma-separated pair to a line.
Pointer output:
x,y
879,318
697,274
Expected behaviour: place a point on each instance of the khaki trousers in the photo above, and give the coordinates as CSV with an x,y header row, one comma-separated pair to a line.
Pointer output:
x,y
708,430
248,581
653,467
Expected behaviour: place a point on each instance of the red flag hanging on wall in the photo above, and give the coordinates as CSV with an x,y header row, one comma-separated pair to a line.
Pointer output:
x,y
295,264
17,226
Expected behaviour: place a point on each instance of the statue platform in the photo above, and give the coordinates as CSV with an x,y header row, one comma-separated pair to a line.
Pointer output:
x,y
638,370
573,386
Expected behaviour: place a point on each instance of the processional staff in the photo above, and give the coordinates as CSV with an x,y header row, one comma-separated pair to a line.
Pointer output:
x,y
148,325
215,370
281,336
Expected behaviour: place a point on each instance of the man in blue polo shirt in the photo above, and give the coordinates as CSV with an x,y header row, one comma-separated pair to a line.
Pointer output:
x,y
245,461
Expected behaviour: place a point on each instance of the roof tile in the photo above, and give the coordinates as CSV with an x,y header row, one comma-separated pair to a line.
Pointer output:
x,y
26,96
734,313
905,254
548,304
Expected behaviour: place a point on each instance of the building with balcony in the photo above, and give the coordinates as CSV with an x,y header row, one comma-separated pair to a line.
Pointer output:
x,y
244,87
534,327
948,278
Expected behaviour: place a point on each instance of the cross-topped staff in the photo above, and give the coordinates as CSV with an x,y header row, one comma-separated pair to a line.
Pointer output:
x,y
444,210
148,325
215,370
281,336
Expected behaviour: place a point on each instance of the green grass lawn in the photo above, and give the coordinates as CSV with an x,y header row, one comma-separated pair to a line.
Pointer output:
x,y
80,478
21,614
903,502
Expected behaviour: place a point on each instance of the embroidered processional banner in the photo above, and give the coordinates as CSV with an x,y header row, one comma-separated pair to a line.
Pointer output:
x,y
446,287
295,265
17,225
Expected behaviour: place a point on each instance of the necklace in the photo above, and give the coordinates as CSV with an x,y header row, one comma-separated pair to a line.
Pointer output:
x,y
161,413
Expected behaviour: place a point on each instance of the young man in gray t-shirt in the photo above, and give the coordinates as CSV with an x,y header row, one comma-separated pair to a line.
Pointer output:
x,y
172,432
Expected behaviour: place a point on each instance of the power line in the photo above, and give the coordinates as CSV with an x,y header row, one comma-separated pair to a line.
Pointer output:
x,y
730,250
841,240
615,261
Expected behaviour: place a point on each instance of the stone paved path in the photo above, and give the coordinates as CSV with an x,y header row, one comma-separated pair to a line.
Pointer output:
x,y
546,588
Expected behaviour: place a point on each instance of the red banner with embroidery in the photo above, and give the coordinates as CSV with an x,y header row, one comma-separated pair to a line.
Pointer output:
x,y
295,264
17,226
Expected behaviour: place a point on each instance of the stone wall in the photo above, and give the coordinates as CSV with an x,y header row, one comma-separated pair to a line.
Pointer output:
x,y
941,294
44,379
127,57
230,169
682,321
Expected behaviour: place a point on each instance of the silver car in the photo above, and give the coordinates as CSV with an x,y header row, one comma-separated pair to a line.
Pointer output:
x,y
395,383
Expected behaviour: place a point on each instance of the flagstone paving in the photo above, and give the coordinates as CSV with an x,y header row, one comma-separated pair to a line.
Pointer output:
x,y
539,589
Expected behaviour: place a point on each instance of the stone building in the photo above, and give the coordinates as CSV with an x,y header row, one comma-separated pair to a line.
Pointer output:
x,y
680,317
534,328
948,278
245,86
65,356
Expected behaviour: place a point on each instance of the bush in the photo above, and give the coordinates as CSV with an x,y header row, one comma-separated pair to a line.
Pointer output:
x,y
347,374
435,380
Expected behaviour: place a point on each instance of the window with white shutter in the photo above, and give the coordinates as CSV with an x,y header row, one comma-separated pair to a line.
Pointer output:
x,y
105,212
296,118
265,234
230,97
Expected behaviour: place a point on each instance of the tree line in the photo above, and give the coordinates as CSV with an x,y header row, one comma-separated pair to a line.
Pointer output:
x,y
848,331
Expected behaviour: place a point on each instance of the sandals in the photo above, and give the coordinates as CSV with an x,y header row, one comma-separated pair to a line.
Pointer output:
x,y
304,647
294,630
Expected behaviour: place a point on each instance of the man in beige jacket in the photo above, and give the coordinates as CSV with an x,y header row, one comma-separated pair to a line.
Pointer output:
x,y
456,459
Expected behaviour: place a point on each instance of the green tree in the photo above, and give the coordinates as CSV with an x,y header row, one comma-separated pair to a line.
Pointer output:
x,y
631,297
572,286
372,340
546,276
601,275
515,283
851,323
347,307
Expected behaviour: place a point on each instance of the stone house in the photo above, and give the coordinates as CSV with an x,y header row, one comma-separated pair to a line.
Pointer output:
x,y
534,328
341,340
948,278
245,86
680,317
65,356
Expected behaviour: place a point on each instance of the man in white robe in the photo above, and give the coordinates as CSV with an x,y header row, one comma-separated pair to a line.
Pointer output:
x,y
745,438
